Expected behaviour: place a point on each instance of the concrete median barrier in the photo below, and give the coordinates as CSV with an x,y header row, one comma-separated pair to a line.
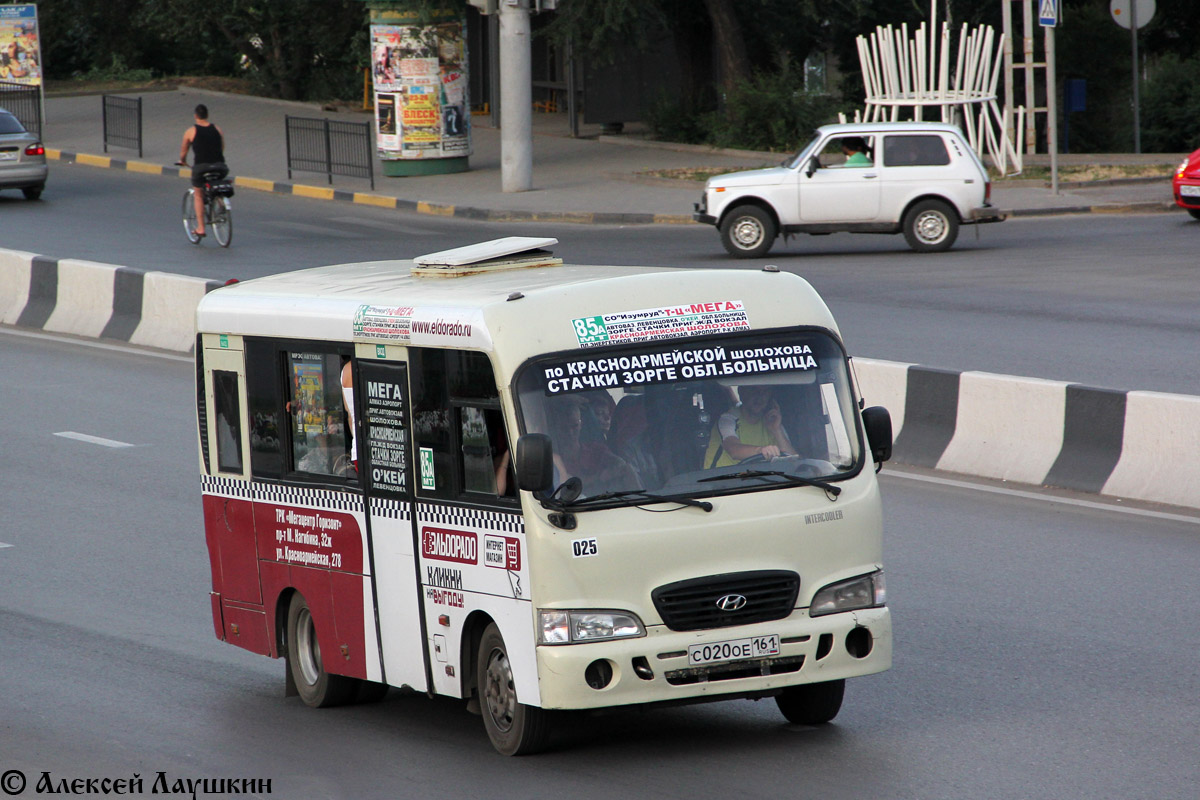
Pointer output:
x,y
100,301
1138,445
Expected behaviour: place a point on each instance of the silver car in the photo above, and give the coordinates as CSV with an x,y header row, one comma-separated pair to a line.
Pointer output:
x,y
22,158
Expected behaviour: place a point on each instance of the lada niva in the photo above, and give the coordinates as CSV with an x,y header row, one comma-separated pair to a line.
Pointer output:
x,y
921,179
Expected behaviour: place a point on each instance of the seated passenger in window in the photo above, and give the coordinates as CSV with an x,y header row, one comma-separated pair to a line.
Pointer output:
x,y
602,406
856,152
754,427
592,462
506,484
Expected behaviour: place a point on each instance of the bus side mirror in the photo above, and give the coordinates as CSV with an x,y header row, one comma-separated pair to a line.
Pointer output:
x,y
877,422
814,164
535,463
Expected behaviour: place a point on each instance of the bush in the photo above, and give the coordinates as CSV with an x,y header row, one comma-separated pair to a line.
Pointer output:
x,y
677,121
1171,106
770,112
115,71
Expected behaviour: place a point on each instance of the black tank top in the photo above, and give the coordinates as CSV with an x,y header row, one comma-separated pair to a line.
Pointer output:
x,y
206,145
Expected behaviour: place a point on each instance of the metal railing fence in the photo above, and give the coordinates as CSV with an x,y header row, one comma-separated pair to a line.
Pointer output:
x,y
122,118
330,146
24,103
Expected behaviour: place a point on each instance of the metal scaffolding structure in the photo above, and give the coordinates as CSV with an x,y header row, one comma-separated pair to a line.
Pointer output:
x,y
916,72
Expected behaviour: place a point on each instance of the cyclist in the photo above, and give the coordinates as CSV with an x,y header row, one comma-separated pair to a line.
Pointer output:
x,y
208,149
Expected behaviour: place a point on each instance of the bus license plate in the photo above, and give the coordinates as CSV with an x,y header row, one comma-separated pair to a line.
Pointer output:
x,y
736,650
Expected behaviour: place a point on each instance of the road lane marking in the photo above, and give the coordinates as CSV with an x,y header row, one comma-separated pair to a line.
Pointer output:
x,y
1049,498
383,225
320,230
83,437
4,545
120,348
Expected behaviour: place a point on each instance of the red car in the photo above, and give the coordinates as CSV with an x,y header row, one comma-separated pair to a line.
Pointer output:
x,y
1187,185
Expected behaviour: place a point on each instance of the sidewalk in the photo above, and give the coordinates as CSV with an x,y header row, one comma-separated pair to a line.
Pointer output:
x,y
596,179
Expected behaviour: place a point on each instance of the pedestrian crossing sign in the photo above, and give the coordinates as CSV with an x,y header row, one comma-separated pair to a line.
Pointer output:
x,y
1048,13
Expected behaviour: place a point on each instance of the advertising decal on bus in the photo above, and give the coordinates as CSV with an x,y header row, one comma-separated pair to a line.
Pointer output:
x,y
585,374
423,326
672,322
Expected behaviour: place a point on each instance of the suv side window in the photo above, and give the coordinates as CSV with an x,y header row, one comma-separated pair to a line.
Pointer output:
x,y
848,152
919,150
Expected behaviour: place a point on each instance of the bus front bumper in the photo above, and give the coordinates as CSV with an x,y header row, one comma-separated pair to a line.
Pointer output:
x,y
655,668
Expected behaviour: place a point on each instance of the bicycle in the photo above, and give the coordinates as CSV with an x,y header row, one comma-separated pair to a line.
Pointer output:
x,y
218,210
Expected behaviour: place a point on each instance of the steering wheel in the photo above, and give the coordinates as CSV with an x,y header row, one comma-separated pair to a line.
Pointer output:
x,y
757,458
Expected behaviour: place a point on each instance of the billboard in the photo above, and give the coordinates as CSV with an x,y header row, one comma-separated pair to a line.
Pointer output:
x,y
420,78
20,46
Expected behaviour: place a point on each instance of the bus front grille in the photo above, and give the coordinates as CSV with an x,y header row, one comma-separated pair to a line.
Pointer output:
x,y
719,601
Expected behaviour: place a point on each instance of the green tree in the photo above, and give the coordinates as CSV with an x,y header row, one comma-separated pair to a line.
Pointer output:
x,y
294,48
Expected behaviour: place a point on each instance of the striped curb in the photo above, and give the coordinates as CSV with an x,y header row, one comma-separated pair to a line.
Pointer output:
x,y
1138,445
100,301
384,201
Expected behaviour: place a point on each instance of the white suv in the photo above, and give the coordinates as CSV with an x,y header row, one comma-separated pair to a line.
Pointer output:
x,y
919,178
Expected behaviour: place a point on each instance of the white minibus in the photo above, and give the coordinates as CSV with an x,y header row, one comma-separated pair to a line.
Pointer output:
x,y
489,475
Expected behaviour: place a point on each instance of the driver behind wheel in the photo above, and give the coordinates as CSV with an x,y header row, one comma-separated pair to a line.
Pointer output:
x,y
753,427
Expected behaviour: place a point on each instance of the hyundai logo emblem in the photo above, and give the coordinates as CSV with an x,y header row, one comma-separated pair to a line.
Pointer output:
x,y
731,602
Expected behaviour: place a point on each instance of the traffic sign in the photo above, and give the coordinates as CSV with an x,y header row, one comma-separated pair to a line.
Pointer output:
x,y
1048,13
1121,12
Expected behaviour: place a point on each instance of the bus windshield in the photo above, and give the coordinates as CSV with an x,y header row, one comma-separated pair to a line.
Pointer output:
x,y
724,415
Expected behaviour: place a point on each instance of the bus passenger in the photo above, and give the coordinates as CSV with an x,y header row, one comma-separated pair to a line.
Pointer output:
x,y
754,427
348,399
592,462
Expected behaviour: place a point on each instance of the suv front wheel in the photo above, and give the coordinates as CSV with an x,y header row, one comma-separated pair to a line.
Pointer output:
x,y
748,232
931,226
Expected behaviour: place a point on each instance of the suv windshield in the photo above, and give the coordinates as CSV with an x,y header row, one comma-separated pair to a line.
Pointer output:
x,y
724,415
805,151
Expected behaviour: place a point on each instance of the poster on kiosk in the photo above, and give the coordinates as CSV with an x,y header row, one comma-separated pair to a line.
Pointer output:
x,y
420,78
20,47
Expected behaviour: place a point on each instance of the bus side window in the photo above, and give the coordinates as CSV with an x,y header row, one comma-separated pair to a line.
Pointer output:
x,y
458,426
318,419
265,407
229,421
486,461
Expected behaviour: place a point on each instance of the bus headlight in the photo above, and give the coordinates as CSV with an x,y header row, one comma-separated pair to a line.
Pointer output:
x,y
865,591
570,627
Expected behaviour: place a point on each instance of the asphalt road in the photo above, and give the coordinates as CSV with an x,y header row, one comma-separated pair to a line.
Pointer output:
x,y
1039,651
1103,300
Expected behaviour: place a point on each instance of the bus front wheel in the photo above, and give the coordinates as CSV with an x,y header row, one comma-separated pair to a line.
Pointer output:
x,y
812,703
317,688
514,728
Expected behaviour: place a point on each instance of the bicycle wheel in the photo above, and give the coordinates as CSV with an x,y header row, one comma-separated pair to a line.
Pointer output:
x,y
221,218
189,217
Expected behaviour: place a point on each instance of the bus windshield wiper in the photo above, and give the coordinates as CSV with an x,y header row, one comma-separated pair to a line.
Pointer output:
x,y
795,480
650,496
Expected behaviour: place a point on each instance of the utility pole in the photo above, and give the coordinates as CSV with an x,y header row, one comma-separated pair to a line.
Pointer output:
x,y
516,97
1137,108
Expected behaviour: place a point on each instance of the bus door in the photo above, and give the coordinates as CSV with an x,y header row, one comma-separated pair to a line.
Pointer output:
x,y
228,507
471,534
381,396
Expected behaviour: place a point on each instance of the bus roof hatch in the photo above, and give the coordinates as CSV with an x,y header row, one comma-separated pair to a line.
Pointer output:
x,y
511,252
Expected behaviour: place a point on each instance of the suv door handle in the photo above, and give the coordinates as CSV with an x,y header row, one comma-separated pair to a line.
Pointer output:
x,y
871,175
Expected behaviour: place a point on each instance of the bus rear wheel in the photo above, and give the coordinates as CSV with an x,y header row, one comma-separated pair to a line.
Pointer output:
x,y
317,688
812,703
514,728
